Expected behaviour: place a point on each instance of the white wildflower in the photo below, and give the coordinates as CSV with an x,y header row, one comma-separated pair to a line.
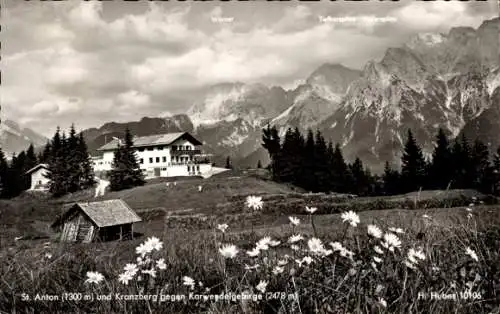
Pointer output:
x,y
131,269
261,286
222,227
150,272
337,246
228,251
377,259
263,244
254,202
253,252
472,254
311,210
374,231
391,241
382,302
307,259
154,243
410,264
94,277
188,281
378,250
294,247
143,249
350,217
295,238
274,243
426,216
253,267
48,255
315,246
396,230
125,278
278,270
294,221
161,264
468,209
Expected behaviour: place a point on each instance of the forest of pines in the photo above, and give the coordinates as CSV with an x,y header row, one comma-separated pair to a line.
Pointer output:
x,y
314,165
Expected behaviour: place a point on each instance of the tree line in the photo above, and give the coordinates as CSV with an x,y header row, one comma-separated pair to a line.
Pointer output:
x,y
69,166
313,164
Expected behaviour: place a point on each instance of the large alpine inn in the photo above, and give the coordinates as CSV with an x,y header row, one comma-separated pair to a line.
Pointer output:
x,y
162,155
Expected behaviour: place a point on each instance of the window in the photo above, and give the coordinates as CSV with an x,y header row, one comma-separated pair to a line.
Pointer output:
x,y
189,168
141,149
141,160
164,159
151,149
198,167
157,159
174,147
150,160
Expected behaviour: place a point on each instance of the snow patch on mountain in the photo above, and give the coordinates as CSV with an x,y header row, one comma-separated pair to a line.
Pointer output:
x,y
236,138
283,114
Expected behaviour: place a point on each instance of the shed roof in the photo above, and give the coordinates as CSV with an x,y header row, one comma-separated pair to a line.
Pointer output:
x,y
35,168
150,140
105,213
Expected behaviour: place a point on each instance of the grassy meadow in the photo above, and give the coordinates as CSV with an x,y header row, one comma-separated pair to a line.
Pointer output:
x,y
430,252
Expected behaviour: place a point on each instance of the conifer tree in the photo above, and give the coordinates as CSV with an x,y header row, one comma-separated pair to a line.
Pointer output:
x,y
321,164
56,172
413,170
4,167
496,172
441,166
126,172
482,170
288,166
307,169
342,182
391,180
272,143
87,176
359,183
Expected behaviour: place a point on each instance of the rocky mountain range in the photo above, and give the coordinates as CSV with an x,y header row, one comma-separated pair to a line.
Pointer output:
x,y
435,80
15,138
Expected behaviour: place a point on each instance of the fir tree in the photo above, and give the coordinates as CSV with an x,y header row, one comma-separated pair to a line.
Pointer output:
x,y
87,176
496,172
4,167
440,169
391,180
413,170
272,143
482,170
341,179
307,169
358,172
288,166
56,172
126,172
321,170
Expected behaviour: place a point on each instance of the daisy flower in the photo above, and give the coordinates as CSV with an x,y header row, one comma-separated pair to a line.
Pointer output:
x,y
294,221
397,230
378,250
222,227
391,241
295,238
374,231
253,252
382,302
131,269
337,246
154,243
274,243
311,210
254,202
315,246
263,244
261,286
472,254
94,277
377,259
228,251
143,249
125,278
350,217
188,281
161,264
278,270
48,255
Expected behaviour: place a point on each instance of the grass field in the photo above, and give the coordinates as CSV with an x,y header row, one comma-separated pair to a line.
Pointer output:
x,y
185,221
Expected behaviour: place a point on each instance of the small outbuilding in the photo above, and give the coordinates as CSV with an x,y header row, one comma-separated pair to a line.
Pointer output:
x,y
39,182
96,221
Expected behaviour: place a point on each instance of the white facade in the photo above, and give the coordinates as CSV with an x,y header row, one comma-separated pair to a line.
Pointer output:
x,y
178,158
38,180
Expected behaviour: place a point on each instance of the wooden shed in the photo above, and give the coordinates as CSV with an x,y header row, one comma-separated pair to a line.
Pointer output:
x,y
96,221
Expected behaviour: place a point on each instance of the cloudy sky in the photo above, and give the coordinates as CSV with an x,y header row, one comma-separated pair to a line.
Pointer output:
x,y
95,62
